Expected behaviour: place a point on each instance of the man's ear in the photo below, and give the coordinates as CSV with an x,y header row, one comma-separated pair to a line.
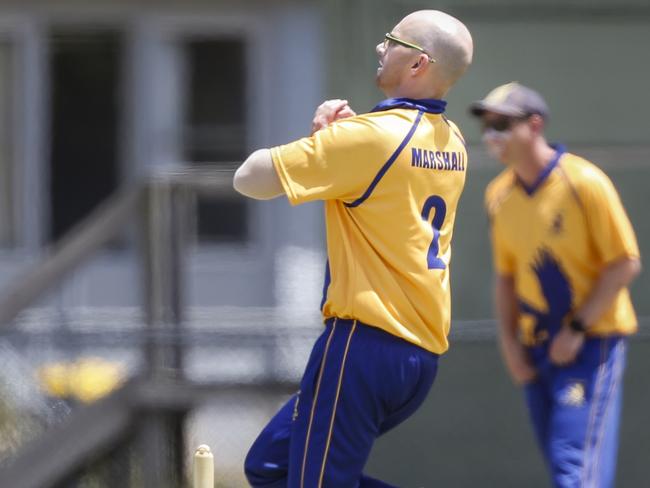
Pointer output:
x,y
421,63
538,123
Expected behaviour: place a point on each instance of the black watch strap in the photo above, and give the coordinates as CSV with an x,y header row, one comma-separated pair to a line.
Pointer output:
x,y
577,325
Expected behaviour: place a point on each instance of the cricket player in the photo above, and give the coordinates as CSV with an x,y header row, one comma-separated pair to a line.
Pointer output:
x,y
390,181
564,253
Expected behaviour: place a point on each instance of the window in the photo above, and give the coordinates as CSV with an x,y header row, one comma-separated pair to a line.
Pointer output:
x,y
215,127
85,73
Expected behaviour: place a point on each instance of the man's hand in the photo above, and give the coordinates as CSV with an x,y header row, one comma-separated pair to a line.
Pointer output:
x,y
565,346
518,364
330,111
514,353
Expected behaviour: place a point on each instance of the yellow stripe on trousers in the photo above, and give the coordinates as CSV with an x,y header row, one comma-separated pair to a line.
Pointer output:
x,y
313,405
336,400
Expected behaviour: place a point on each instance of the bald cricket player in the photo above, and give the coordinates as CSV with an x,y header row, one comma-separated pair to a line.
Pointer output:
x,y
390,180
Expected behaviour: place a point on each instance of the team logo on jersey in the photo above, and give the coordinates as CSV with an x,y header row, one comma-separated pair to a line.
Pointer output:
x,y
557,292
557,227
574,395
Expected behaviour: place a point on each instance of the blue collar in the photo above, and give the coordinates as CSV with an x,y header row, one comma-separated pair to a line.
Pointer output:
x,y
429,105
559,151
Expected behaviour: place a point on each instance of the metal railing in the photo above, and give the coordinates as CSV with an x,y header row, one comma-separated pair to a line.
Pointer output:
x,y
151,409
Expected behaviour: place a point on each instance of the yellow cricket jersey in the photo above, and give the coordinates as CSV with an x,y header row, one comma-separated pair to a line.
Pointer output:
x,y
391,180
555,238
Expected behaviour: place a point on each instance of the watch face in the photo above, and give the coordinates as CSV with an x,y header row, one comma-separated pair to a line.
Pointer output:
x,y
577,325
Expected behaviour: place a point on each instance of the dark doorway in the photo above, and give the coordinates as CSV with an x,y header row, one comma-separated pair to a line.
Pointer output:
x,y
85,73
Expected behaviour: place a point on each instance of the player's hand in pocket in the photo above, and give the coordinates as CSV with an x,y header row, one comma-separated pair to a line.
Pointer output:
x,y
330,111
565,346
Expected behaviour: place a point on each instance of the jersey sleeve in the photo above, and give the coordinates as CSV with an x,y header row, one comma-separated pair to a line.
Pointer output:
x,y
608,222
336,163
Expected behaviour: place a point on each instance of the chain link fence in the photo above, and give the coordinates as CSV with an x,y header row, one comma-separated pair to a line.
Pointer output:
x,y
225,345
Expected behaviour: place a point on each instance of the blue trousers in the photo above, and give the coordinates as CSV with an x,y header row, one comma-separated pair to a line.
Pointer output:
x,y
575,411
359,383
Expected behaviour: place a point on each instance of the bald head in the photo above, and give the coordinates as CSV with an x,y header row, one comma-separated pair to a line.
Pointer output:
x,y
443,37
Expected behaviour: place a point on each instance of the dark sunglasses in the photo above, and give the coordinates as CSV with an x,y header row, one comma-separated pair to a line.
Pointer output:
x,y
503,124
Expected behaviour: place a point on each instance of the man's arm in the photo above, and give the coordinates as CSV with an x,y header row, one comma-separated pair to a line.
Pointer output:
x,y
513,352
614,277
257,178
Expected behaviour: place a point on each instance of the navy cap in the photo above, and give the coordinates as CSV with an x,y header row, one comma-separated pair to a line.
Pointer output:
x,y
513,100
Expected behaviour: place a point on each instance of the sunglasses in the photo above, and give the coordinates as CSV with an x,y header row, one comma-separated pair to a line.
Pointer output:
x,y
388,37
502,124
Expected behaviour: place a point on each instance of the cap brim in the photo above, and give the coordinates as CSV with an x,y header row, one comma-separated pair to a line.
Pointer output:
x,y
479,108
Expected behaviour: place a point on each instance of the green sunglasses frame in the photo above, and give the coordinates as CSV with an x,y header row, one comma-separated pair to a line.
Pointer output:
x,y
390,37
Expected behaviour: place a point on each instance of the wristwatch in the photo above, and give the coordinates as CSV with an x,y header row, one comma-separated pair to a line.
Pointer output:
x,y
577,325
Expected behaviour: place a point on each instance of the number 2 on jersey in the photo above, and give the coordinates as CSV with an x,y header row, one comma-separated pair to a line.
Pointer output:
x,y
438,204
